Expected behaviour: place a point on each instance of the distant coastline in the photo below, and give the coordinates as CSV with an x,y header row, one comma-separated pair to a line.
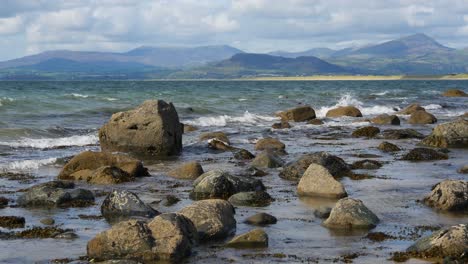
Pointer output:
x,y
361,77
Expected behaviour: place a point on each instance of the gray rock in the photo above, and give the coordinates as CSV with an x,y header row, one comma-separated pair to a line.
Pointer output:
x,y
220,184
256,238
122,205
151,129
351,213
267,159
261,219
55,193
449,195
449,135
213,218
257,199
294,170
317,181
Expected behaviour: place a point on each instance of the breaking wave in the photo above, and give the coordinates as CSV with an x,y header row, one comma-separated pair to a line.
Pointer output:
x,y
44,143
223,120
26,164
347,100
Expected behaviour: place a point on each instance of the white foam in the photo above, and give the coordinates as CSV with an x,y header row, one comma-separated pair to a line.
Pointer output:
x,y
223,120
77,95
26,164
349,100
432,107
5,100
381,93
43,143
110,99
242,99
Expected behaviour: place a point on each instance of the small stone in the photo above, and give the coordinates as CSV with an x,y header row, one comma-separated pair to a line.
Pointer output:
x,y
261,219
66,235
316,122
323,212
281,125
366,165
269,143
243,154
189,128
47,221
121,205
385,119
368,131
424,154
401,134
298,114
215,135
411,109
219,145
256,172
267,159
257,199
388,147
3,202
256,238
171,200
188,170
463,169
449,195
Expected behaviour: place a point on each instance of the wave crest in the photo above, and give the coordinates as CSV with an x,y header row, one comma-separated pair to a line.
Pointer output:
x,y
43,143
349,100
26,164
223,120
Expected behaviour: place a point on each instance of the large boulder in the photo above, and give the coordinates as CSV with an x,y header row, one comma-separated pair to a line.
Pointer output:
x,y
267,159
56,193
422,117
317,181
351,213
257,199
213,218
151,129
256,238
449,195
448,242
424,154
368,131
102,168
449,135
298,114
411,109
294,170
455,93
385,119
270,144
188,170
168,237
220,184
122,205
401,134
344,111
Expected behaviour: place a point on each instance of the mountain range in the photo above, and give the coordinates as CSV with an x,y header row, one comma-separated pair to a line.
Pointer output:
x,y
417,54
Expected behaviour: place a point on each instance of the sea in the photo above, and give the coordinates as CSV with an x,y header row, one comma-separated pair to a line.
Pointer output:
x,y
43,124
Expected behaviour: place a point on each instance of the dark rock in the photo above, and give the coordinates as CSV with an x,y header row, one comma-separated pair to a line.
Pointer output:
x,y
47,221
3,202
315,122
261,219
368,131
121,205
298,114
12,222
463,170
281,125
171,200
243,154
323,212
220,145
424,154
454,93
366,165
256,172
388,147
401,134
257,199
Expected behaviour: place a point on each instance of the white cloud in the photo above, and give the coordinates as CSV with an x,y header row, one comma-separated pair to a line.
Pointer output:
x,y
11,25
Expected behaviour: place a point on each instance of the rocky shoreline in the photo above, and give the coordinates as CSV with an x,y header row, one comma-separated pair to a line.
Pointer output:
x,y
214,197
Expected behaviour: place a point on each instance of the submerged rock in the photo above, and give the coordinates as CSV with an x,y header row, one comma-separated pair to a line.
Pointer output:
x,y
167,237
401,134
366,164
243,154
261,219
344,111
298,114
463,170
385,119
422,117
454,93
189,128
215,135
3,202
151,129
213,218
388,147
424,154
188,170
294,170
351,213
12,221
267,159
323,212
448,242
269,143
449,135
316,122
317,181
368,131
56,193
102,168
449,195
256,238
281,125
121,205
257,199
220,184
411,109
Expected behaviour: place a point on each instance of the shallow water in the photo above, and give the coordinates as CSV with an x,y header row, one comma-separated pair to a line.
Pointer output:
x,y
42,122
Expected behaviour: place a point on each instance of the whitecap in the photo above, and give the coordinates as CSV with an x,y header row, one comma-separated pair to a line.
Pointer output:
x,y
110,99
381,93
349,100
432,107
77,95
242,99
5,100
223,120
26,164
42,143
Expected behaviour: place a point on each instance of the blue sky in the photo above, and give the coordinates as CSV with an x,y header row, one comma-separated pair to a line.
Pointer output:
x,y
28,27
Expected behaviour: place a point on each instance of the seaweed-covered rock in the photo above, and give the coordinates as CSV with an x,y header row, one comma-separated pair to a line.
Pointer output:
x,y
411,109
366,164
294,170
401,134
281,125
351,213
298,114
424,154
455,93
257,199
388,147
188,170
12,221
122,205
261,219
449,135
152,129
385,119
317,181
256,238
267,159
213,218
243,154
270,144
220,184
422,117
344,111
56,193
449,195
368,131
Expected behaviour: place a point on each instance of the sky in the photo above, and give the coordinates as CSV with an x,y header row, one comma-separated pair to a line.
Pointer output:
x,y
28,27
